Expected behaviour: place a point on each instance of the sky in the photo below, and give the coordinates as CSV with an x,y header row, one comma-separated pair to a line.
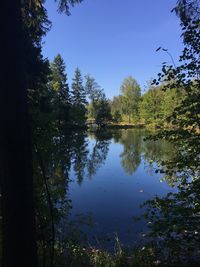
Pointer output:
x,y
113,39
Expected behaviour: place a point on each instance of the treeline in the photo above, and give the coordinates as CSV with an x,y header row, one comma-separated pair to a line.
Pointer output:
x,y
56,104
153,107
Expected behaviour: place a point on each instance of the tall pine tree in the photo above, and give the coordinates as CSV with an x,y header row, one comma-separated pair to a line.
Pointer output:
x,y
78,99
60,88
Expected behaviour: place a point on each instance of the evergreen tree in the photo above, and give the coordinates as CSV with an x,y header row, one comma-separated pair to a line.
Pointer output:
x,y
103,114
59,78
78,99
100,111
20,55
78,91
61,89
16,182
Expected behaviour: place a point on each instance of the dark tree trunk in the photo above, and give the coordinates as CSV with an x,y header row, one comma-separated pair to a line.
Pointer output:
x,y
16,177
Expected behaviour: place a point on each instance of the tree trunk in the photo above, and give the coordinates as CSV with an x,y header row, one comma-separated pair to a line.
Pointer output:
x,y
16,176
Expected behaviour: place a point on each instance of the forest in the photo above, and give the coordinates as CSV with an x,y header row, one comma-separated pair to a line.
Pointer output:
x,y
85,103
45,126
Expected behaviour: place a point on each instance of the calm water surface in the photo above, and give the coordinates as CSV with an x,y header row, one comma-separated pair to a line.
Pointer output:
x,y
111,177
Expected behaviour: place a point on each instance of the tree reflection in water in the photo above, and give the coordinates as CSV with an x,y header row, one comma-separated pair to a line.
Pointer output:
x,y
131,156
54,156
174,228
99,151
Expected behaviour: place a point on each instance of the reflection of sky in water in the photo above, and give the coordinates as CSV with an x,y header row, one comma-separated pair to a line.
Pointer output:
x,y
113,196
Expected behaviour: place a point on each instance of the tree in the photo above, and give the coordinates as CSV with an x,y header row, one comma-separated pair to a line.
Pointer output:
x,y
19,242
185,77
92,89
58,83
172,100
78,99
117,108
151,105
99,107
101,111
59,78
178,213
131,93
78,92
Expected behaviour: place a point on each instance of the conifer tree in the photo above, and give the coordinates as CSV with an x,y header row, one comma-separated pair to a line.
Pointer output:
x,y
78,99
78,91
21,53
59,77
61,89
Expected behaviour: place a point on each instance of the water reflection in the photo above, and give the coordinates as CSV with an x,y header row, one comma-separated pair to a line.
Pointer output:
x,y
79,155
99,151
132,148
86,160
76,149
120,166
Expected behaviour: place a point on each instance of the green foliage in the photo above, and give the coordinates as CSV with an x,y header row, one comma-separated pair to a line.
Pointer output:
x,y
92,89
174,218
116,117
151,106
117,108
64,5
127,104
172,100
78,91
175,224
60,90
131,93
99,107
185,116
58,77
157,105
35,20
78,99
35,25
100,110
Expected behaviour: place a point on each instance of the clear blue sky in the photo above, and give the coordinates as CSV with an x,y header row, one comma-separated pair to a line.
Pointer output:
x,y
112,39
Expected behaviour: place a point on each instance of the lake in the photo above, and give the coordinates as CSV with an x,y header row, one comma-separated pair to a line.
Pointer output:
x,y
112,174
